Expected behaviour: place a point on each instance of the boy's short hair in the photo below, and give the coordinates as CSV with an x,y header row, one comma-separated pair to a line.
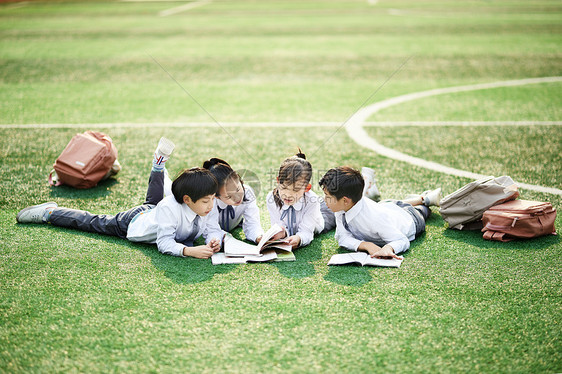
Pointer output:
x,y
343,181
195,183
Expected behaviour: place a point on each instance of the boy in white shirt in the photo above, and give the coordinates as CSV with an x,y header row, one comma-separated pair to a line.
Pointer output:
x,y
173,223
383,229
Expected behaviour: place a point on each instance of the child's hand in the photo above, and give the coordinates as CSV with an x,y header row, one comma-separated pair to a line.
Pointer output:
x,y
201,251
215,245
258,239
294,241
386,252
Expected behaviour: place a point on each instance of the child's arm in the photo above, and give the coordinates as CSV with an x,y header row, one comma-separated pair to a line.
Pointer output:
x,y
201,251
252,223
311,220
212,231
168,221
375,251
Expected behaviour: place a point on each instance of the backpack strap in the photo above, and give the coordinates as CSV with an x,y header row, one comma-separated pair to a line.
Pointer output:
x,y
54,179
496,236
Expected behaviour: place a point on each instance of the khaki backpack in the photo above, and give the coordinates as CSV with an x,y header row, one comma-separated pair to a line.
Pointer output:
x,y
463,208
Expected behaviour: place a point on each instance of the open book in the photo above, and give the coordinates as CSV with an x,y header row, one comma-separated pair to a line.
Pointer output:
x,y
220,258
235,247
239,252
363,259
270,255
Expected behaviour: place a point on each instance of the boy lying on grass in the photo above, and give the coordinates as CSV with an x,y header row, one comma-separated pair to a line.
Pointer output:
x,y
383,229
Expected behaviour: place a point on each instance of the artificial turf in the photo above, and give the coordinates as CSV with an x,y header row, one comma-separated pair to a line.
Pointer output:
x,y
80,302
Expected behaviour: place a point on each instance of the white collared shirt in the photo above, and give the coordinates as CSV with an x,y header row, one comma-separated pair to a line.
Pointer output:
x,y
169,225
379,223
309,219
248,210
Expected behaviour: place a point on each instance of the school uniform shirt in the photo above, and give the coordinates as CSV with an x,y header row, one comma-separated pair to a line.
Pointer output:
x,y
167,184
379,223
309,219
231,217
171,225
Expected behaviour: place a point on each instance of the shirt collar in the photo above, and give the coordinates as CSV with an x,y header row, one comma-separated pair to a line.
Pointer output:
x,y
220,203
298,205
190,214
354,211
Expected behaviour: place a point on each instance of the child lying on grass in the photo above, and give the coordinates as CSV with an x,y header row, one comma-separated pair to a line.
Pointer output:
x,y
382,229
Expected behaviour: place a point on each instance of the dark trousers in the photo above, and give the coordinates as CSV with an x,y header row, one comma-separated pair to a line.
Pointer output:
x,y
329,217
419,213
116,225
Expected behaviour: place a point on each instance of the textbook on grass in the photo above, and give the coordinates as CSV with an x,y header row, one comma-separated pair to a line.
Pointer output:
x,y
363,259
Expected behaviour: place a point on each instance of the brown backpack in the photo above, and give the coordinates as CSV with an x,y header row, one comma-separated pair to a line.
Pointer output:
x,y
518,219
87,159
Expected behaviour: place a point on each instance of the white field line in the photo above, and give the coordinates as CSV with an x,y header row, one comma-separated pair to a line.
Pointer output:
x,y
182,8
274,124
355,129
460,123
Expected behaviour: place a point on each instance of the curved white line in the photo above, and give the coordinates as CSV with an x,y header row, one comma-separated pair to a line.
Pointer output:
x,y
355,129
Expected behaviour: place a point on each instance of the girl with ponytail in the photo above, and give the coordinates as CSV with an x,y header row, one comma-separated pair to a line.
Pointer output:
x,y
235,202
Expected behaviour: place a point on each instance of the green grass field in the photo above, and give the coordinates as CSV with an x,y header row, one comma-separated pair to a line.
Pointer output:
x,y
80,302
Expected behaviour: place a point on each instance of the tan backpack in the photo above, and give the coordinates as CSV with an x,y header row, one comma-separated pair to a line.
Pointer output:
x,y
518,219
87,159
463,208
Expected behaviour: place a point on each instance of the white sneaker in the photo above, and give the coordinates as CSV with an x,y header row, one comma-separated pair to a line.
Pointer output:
x,y
165,148
432,198
35,213
115,168
371,191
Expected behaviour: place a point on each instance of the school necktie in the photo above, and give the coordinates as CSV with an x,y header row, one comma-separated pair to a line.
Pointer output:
x,y
345,222
291,220
226,215
194,229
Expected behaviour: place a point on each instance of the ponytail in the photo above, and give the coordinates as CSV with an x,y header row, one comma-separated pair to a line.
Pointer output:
x,y
221,170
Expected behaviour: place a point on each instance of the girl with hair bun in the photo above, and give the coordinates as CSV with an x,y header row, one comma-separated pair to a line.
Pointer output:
x,y
293,205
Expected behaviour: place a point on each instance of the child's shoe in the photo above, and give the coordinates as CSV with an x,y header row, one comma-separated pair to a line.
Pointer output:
x,y
432,198
36,213
371,191
162,153
115,168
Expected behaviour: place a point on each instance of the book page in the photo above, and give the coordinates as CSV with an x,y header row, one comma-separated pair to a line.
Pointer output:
x,y
392,263
235,247
221,258
269,234
348,258
266,256
364,259
279,244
